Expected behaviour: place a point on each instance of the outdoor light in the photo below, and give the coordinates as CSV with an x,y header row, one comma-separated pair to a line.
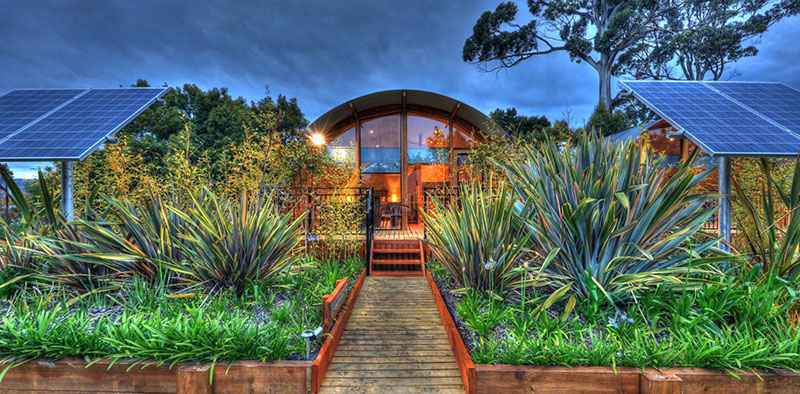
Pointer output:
x,y
317,139
308,334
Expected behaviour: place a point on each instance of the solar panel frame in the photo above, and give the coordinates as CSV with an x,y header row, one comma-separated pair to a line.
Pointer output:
x,y
710,131
79,126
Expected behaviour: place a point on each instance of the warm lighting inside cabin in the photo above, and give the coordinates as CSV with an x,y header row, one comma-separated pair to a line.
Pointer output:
x,y
394,197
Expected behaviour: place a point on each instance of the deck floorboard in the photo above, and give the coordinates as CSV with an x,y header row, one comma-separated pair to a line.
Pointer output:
x,y
394,342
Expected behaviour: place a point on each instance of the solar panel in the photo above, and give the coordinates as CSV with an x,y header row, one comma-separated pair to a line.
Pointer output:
x,y
20,107
776,101
717,123
77,126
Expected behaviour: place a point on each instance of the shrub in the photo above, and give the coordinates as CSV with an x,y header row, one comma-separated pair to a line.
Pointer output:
x,y
146,234
618,222
476,241
774,246
228,245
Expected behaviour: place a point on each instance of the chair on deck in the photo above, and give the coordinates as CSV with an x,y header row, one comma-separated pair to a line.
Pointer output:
x,y
392,215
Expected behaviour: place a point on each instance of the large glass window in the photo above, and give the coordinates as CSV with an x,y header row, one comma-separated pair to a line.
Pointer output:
x,y
343,148
428,161
428,140
462,138
380,145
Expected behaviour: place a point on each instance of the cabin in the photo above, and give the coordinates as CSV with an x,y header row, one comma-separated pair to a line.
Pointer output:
x,y
402,144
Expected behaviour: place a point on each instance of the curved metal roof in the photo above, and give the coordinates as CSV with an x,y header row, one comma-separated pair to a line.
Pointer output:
x,y
337,116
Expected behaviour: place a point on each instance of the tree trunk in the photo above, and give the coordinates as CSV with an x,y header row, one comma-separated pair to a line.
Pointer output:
x,y
605,86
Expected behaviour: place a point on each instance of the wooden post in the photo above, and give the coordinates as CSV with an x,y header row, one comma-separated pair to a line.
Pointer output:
x,y
404,164
195,380
652,381
684,144
67,190
724,172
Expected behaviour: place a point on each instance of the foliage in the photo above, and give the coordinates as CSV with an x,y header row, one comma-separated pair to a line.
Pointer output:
x,y
748,173
229,245
476,241
733,325
769,242
530,128
143,321
147,233
698,40
606,121
594,32
618,223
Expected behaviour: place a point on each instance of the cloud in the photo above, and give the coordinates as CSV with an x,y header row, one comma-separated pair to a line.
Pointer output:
x,y
322,52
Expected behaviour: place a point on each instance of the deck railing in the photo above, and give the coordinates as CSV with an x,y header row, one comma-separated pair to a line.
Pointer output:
x,y
315,200
445,195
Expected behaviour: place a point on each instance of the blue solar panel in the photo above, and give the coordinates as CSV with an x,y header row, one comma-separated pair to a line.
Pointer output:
x,y
78,127
21,107
719,125
776,101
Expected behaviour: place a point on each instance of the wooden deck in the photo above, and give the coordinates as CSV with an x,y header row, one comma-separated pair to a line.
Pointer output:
x,y
394,341
399,235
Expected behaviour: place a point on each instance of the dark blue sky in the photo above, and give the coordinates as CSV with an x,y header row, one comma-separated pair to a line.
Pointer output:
x,y
322,52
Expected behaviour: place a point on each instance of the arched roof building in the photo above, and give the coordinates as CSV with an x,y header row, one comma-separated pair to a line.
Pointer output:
x,y
401,142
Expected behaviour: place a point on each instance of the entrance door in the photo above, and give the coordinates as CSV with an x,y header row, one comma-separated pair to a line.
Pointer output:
x,y
381,164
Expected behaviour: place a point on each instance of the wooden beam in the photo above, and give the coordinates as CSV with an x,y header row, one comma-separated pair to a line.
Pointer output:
x,y
455,110
353,110
404,164
684,144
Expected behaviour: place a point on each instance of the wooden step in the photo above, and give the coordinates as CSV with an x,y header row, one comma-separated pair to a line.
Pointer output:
x,y
397,262
414,250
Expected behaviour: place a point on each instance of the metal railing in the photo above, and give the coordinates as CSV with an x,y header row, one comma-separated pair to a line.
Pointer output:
x,y
315,200
445,195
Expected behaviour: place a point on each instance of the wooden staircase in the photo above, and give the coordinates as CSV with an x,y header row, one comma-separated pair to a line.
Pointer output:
x,y
397,258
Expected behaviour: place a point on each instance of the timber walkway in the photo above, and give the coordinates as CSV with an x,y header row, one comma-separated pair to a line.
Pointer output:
x,y
394,342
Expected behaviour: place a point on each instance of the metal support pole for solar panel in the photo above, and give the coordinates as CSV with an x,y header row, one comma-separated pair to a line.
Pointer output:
x,y
725,201
67,190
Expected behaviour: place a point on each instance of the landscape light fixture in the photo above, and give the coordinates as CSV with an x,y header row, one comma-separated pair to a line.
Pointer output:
x,y
308,334
317,139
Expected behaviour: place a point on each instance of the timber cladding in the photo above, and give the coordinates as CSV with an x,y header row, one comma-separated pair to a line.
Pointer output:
x,y
73,375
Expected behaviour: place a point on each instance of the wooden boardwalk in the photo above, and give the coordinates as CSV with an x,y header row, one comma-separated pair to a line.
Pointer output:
x,y
394,342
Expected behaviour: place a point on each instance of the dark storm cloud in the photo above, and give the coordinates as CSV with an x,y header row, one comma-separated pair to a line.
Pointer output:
x,y
322,52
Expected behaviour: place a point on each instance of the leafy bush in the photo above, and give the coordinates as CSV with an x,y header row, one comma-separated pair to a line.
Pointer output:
x,y
476,241
146,234
228,245
617,221
776,247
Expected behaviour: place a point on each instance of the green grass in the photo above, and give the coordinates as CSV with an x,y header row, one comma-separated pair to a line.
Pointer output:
x,y
148,323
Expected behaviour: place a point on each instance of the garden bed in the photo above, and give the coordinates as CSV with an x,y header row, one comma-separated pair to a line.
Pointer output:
x,y
501,377
84,331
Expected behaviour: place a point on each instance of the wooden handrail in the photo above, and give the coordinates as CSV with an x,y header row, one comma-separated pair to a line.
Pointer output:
x,y
332,303
464,361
